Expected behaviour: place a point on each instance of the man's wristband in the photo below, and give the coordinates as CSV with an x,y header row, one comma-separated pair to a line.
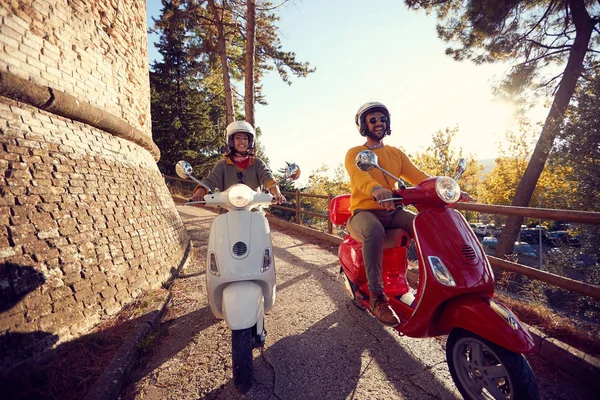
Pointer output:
x,y
375,188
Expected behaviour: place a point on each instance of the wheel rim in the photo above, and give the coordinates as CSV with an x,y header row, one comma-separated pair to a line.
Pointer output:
x,y
480,370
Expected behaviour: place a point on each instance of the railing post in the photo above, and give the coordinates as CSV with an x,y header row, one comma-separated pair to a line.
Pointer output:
x,y
329,225
298,219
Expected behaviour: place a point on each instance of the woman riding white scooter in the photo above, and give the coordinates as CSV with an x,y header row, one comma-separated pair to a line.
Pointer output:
x,y
240,264
239,165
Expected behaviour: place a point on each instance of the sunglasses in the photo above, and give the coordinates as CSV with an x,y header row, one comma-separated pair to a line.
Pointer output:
x,y
383,118
240,177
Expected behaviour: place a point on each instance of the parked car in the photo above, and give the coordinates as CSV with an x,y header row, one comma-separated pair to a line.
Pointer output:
x,y
562,238
486,230
532,235
521,248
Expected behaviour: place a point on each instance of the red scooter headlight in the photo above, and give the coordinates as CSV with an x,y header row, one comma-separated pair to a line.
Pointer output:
x,y
447,189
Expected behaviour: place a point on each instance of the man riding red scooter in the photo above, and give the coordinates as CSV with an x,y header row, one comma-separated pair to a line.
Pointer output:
x,y
456,282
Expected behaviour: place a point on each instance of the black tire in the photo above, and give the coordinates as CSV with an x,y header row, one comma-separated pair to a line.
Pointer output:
x,y
241,355
473,360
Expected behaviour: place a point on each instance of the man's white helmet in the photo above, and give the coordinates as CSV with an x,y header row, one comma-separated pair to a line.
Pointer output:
x,y
240,127
359,118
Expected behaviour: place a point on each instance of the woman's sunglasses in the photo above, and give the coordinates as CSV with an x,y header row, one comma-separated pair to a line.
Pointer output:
x,y
373,120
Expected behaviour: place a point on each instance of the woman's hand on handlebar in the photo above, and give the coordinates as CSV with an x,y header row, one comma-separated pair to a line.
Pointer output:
x,y
199,194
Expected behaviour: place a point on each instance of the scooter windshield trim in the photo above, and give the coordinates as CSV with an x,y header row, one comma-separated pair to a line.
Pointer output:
x,y
447,189
440,271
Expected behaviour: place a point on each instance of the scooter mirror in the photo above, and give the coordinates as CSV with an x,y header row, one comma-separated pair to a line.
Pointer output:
x,y
366,160
292,171
183,169
460,168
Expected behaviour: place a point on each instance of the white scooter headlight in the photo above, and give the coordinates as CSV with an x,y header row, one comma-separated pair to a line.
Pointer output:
x,y
240,195
447,189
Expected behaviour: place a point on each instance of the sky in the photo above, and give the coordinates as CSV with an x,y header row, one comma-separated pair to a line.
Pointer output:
x,y
371,51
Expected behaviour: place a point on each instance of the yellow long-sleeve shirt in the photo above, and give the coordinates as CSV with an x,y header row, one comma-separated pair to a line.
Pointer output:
x,y
362,183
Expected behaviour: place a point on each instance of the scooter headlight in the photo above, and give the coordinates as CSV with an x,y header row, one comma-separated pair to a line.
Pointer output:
x,y
447,189
440,271
240,195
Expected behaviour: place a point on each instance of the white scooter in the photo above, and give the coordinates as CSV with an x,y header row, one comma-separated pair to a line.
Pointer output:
x,y
240,267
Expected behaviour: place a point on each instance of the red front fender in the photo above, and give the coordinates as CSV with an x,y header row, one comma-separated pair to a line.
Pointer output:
x,y
479,315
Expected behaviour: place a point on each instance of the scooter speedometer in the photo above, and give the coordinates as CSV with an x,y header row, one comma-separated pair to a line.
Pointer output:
x,y
240,195
447,189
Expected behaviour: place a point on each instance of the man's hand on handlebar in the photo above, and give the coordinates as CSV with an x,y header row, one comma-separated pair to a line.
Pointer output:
x,y
464,197
382,193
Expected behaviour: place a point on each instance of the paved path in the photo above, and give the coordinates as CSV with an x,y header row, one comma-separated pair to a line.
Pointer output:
x,y
319,346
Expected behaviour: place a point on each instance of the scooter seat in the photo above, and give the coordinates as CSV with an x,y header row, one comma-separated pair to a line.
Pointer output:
x,y
396,238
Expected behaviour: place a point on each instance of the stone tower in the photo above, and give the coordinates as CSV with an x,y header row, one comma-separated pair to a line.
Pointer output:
x,y
87,221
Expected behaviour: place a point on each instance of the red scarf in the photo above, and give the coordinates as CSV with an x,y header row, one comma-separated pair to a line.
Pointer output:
x,y
241,161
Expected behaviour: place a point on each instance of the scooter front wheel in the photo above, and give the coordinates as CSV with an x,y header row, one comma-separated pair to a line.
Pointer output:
x,y
241,356
483,370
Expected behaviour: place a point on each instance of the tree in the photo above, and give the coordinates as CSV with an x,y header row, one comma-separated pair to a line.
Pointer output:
x,y
227,28
441,159
536,34
184,111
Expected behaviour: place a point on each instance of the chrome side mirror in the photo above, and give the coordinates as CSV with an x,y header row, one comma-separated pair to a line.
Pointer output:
x,y
292,171
460,168
183,169
366,160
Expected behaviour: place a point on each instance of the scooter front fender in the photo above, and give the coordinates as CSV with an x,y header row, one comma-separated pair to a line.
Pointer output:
x,y
243,304
488,319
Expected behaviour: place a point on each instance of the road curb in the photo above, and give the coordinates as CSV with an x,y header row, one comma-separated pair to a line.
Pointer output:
x,y
575,362
115,374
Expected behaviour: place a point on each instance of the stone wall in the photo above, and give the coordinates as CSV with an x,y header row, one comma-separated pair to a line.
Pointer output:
x,y
87,221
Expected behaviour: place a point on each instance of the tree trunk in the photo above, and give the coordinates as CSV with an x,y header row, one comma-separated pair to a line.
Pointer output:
x,y
223,55
584,27
250,54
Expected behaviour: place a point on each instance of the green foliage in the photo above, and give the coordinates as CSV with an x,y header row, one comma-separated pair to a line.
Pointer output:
x,y
186,114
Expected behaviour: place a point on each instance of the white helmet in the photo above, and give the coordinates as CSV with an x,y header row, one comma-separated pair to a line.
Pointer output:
x,y
359,118
239,127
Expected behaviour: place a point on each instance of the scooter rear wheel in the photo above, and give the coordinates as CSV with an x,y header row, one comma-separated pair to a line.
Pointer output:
x,y
483,370
241,356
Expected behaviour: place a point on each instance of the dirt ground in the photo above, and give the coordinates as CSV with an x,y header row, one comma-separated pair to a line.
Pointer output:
x,y
318,344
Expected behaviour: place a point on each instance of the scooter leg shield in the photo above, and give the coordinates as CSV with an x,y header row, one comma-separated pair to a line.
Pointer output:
x,y
489,320
243,304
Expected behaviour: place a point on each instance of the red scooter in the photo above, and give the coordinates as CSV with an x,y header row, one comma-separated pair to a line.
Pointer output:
x,y
486,340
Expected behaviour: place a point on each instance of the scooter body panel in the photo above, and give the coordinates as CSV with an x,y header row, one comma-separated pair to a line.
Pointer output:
x,y
450,240
240,242
243,304
477,315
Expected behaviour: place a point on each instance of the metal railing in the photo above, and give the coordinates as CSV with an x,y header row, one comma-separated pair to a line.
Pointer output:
x,y
547,214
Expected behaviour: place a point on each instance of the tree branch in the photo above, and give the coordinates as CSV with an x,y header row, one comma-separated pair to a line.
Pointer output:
x,y
566,46
550,6
272,8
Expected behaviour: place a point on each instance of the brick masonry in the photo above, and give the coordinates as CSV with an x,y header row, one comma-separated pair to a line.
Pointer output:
x,y
87,221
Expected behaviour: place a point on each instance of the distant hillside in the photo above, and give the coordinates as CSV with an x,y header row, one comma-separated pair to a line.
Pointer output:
x,y
488,164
